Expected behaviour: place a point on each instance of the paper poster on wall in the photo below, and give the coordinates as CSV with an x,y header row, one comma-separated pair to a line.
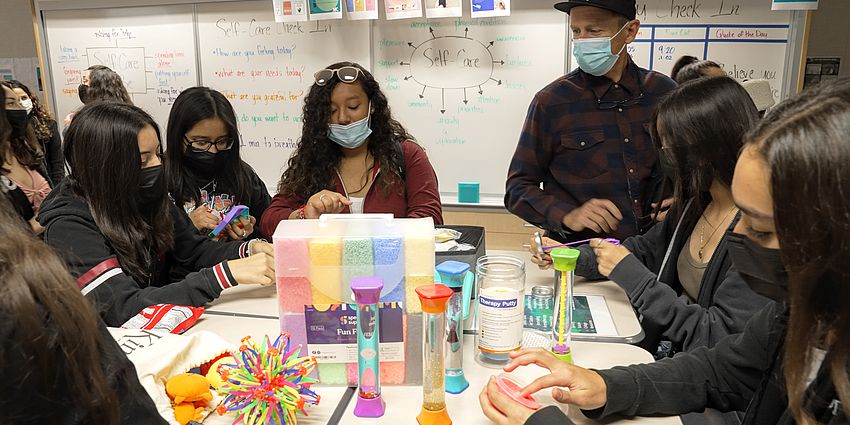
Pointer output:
x,y
794,5
443,8
361,9
821,69
325,9
490,8
400,9
290,10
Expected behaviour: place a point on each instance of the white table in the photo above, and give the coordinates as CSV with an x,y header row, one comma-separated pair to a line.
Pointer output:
x,y
629,330
261,302
403,402
233,329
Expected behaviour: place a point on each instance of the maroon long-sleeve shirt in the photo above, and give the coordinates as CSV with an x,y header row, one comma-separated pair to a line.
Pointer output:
x,y
420,198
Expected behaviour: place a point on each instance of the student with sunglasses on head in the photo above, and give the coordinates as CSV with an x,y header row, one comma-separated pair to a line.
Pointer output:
x,y
586,137
678,275
120,232
791,363
353,157
205,174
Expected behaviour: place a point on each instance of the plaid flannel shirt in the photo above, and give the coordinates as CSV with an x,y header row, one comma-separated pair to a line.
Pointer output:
x,y
587,137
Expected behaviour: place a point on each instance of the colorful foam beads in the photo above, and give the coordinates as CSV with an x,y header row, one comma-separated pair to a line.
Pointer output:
x,y
395,296
326,270
392,373
388,250
292,257
325,252
334,374
357,261
389,265
419,256
293,294
411,300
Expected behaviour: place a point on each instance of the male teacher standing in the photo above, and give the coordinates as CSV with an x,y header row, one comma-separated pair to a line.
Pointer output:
x,y
586,137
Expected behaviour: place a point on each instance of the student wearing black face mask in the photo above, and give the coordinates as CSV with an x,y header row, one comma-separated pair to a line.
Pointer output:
x,y
120,232
22,172
791,364
203,169
99,83
678,275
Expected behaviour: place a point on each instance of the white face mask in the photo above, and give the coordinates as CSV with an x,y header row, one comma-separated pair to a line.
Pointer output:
x,y
27,104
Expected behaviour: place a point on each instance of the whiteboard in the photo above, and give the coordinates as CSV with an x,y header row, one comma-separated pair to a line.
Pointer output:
x,y
462,86
152,48
744,36
266,70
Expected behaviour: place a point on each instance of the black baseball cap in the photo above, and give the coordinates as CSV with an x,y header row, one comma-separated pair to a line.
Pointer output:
x,y
621,7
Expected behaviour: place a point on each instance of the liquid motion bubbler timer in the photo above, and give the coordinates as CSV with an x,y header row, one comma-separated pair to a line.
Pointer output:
x,y
456,275
564,260
367,290
433,299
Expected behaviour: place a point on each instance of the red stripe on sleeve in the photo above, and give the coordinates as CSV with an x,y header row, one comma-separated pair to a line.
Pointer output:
x,y
96,271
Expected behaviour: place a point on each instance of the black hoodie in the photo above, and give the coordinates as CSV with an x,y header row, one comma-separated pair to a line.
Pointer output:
x,y
71,229
57,406
743,371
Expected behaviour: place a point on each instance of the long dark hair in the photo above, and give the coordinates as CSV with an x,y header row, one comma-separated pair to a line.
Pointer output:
x,y
804,143
191,107
102,149
703,123
5,128
42,117
689,68
51,348
316,158
106,85
26,148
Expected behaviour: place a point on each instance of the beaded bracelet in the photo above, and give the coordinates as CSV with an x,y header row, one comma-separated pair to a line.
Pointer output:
x,y
299,213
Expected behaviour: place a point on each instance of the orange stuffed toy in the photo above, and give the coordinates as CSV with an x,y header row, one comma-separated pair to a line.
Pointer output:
x,y
189,394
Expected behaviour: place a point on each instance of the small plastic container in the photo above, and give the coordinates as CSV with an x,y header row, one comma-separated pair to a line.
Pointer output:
x,y
512,387
500,308
315,261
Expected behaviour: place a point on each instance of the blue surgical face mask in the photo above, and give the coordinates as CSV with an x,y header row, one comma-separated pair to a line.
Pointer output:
x,y
353,135
594,54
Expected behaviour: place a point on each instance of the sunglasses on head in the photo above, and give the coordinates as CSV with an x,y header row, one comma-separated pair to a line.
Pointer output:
x,y
346,74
